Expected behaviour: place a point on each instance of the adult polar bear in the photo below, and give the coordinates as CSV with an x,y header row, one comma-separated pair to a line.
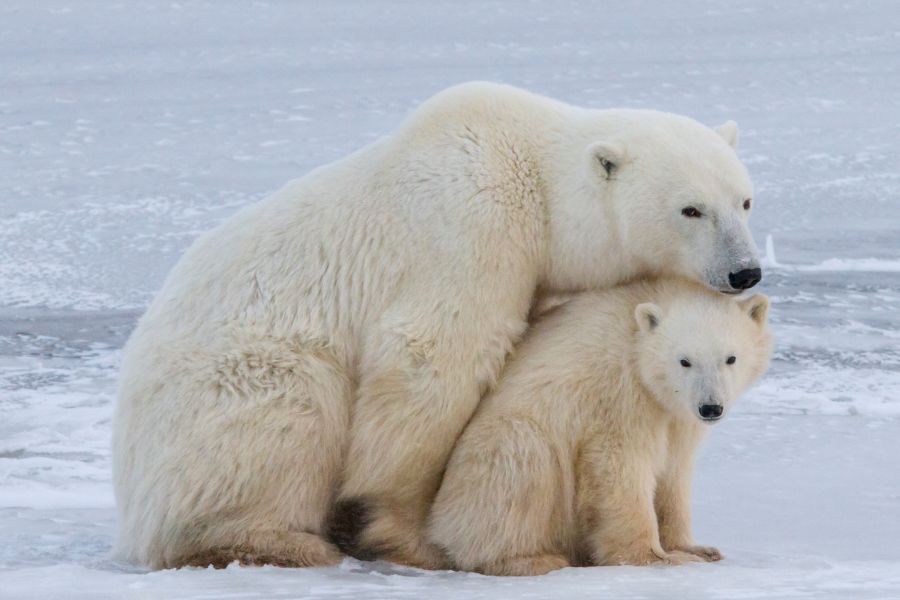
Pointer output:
x,y
320,352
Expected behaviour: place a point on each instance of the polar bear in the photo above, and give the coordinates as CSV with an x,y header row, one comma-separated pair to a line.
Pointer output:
x,y
319,352
583,453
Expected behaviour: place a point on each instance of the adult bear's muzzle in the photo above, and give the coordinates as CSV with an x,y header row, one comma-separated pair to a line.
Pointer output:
x,y
745,278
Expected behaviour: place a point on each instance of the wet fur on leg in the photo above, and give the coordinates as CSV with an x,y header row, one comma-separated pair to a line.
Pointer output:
x,y
348,520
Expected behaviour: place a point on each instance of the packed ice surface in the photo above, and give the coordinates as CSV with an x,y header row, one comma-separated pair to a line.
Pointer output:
x,y
127,128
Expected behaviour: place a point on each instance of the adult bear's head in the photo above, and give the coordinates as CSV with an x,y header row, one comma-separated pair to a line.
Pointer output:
x,y
655,193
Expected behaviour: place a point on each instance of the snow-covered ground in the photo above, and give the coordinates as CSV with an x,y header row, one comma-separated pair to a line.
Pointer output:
x,y
126,128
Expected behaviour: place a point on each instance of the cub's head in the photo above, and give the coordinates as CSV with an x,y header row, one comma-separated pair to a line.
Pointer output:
x,y
700,352
672,195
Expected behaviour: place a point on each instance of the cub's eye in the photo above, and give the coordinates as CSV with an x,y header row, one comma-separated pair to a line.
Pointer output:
x,y
747,204
691,212
685,363
730,360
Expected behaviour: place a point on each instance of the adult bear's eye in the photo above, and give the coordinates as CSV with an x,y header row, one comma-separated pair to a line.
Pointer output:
x,y
685,363
730,360
690,211
747,204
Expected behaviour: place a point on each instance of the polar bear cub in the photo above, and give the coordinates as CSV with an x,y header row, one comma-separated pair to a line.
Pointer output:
x,y
583,453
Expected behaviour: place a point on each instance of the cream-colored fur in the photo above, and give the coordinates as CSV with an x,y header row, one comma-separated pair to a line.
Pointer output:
x,y
583,453
331,341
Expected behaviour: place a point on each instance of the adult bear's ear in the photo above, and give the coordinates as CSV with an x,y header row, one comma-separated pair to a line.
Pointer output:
x,y
647,316
608,156
729,132
757,306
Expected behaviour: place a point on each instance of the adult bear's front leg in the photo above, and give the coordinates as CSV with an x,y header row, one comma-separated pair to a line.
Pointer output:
x,y
414,399
402,432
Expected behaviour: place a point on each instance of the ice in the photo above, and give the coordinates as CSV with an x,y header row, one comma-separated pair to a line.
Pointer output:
x,y
860,264
127,128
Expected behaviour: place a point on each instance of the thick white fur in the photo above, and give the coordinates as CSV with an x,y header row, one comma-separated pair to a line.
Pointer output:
x,y
337,336
583,454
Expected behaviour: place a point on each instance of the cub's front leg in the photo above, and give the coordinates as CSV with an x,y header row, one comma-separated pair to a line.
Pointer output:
x,y
616,509
673,494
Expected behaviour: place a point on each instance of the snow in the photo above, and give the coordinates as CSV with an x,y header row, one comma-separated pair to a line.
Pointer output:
x,y
127,128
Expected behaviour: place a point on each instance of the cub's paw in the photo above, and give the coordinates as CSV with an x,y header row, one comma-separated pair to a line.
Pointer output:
x,y
707,553
525,566
638,555
679,557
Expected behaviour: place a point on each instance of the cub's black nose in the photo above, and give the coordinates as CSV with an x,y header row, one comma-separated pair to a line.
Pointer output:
x,y
745,279
710,412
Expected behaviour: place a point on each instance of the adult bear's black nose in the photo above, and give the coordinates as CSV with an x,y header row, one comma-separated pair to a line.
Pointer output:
x,y
745,279
710,412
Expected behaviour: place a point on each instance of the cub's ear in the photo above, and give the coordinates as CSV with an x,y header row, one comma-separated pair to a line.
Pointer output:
x,y
729,132
608,156
757,307
648,316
